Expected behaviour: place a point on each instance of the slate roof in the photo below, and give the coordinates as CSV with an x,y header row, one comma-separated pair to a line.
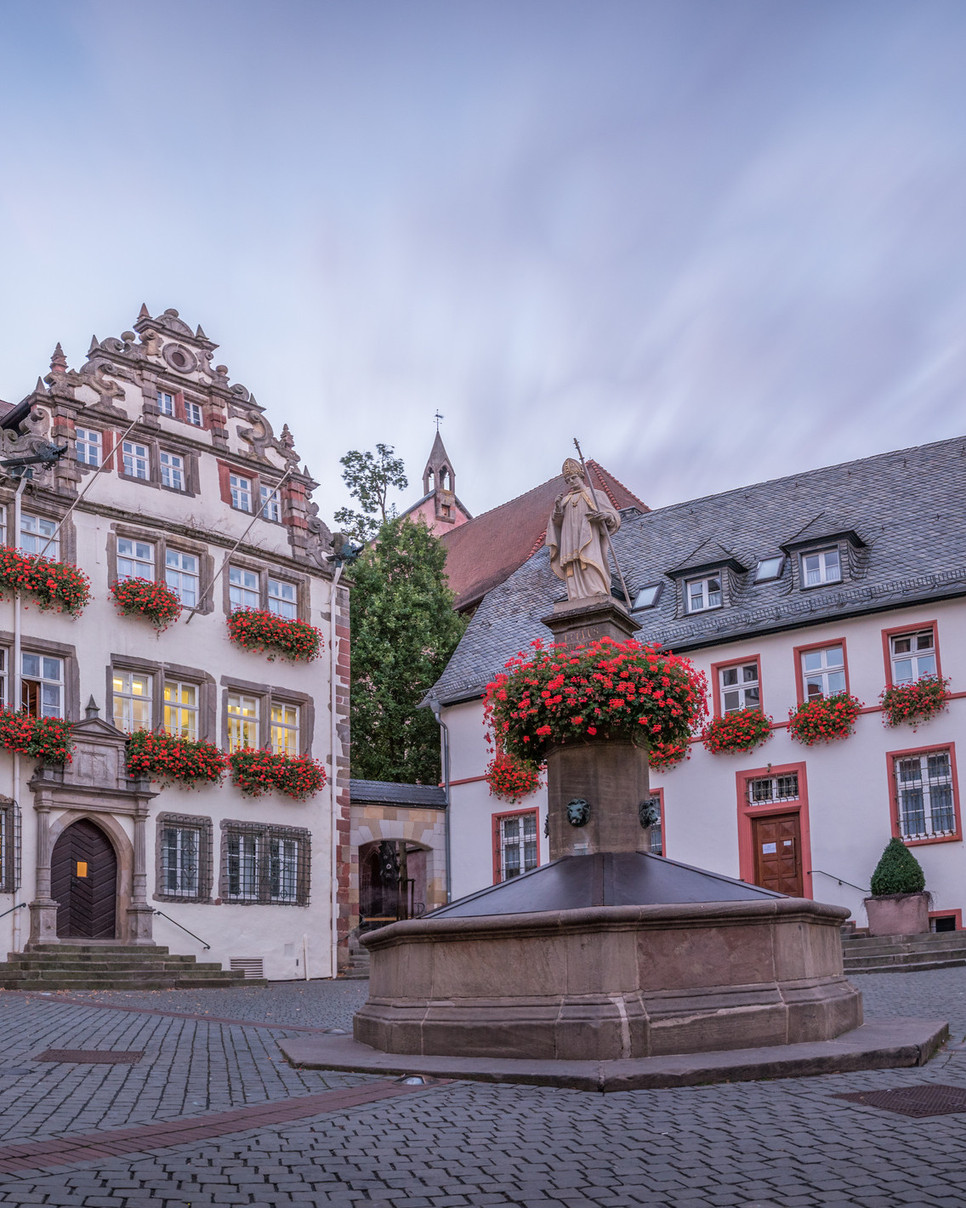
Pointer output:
x,y
382,793
905,508
487,549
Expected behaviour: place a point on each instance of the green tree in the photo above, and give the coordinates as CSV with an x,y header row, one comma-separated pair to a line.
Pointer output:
x,y
404,630
369,477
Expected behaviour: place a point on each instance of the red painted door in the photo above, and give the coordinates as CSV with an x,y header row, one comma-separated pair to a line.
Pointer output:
x,y
83,881
778,853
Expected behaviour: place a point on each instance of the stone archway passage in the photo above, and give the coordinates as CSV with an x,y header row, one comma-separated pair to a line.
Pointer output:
x,y
83,880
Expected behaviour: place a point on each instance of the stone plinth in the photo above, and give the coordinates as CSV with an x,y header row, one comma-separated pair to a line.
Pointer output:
x,y
612,777
610,982
576,623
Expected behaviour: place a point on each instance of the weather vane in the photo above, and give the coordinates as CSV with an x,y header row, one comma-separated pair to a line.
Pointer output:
x,y
438,417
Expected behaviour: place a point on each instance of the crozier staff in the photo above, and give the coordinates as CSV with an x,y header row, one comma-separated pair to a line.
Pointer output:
x,y
577,536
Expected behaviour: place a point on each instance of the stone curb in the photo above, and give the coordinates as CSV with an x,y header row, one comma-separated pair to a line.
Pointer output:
x,y
877,1044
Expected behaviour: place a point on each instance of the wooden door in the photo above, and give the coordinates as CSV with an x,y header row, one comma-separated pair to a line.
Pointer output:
x,y
83,881
778,853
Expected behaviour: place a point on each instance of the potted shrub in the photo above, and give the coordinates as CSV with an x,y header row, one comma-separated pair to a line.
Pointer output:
x,y
899,904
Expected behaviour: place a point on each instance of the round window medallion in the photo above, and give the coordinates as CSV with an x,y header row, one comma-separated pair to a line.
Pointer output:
x,y
178,357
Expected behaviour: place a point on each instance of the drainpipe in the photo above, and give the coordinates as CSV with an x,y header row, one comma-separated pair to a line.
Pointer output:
x,y
444,732
333,788
16,691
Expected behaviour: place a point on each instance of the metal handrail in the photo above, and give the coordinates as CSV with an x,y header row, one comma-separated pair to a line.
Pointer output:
x,y
841,880
185,929
12,909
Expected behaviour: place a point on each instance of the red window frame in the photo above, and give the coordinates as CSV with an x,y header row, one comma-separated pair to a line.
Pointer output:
x,y
891,757
798,651
496,819
889,634
717,668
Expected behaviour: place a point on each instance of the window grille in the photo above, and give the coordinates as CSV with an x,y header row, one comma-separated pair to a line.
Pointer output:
x,y
924,793
9,846
184,864
518,844
267,865
766,790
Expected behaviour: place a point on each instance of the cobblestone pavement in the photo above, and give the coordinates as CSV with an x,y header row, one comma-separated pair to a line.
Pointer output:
x,y
211,1116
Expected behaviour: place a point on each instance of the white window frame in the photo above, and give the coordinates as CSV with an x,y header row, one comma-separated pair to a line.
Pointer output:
x,y
821,566
271,503
734,681
41,684
240,488
166,403
241,593
181,706
285,730
926,804
519,844
89,446
701,594
173,473
136,559
244,714
283,598
770,790
193,414
132,710
38,535
183,579
180,861
823,672
136,460
921,658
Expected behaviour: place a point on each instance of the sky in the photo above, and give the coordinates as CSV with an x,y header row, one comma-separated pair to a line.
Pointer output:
x,y
717,241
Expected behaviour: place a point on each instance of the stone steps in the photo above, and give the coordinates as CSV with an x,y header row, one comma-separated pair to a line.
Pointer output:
x,y
904,953
112,967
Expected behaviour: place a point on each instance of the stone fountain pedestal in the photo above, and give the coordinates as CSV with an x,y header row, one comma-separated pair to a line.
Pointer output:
x,y
608,952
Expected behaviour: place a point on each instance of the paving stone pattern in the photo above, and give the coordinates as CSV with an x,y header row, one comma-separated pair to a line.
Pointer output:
x,y
781,1144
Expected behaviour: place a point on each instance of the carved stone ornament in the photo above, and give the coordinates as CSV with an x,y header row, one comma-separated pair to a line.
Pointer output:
x,y
578,811
648,814
320,543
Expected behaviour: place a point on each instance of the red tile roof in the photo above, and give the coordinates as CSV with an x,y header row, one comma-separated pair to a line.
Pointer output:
x,y
487,549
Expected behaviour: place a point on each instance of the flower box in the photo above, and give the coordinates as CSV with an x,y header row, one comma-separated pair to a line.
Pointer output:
x,y
155,755
511,779
824,719
268,633
53,585
257,772
740,730
912,704
663,756
45,738
149,598
606,690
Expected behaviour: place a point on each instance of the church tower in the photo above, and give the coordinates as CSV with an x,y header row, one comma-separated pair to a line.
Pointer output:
x,y
439,487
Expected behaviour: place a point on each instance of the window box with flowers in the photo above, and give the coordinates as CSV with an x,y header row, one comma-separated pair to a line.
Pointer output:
x,y
45,738
911,704
512,779
52,585
148,598
606,690
257,772
824,719
274,635
739,730
155,755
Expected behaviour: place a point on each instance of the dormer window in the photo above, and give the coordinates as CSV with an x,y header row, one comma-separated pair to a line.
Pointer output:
x,y
647,597
769,569
703,594
824,566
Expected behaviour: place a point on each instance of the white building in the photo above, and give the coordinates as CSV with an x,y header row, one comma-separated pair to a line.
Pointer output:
x,y
848,578
171,475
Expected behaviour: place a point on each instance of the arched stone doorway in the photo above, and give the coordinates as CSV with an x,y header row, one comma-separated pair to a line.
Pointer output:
x,y
392,882
83,881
